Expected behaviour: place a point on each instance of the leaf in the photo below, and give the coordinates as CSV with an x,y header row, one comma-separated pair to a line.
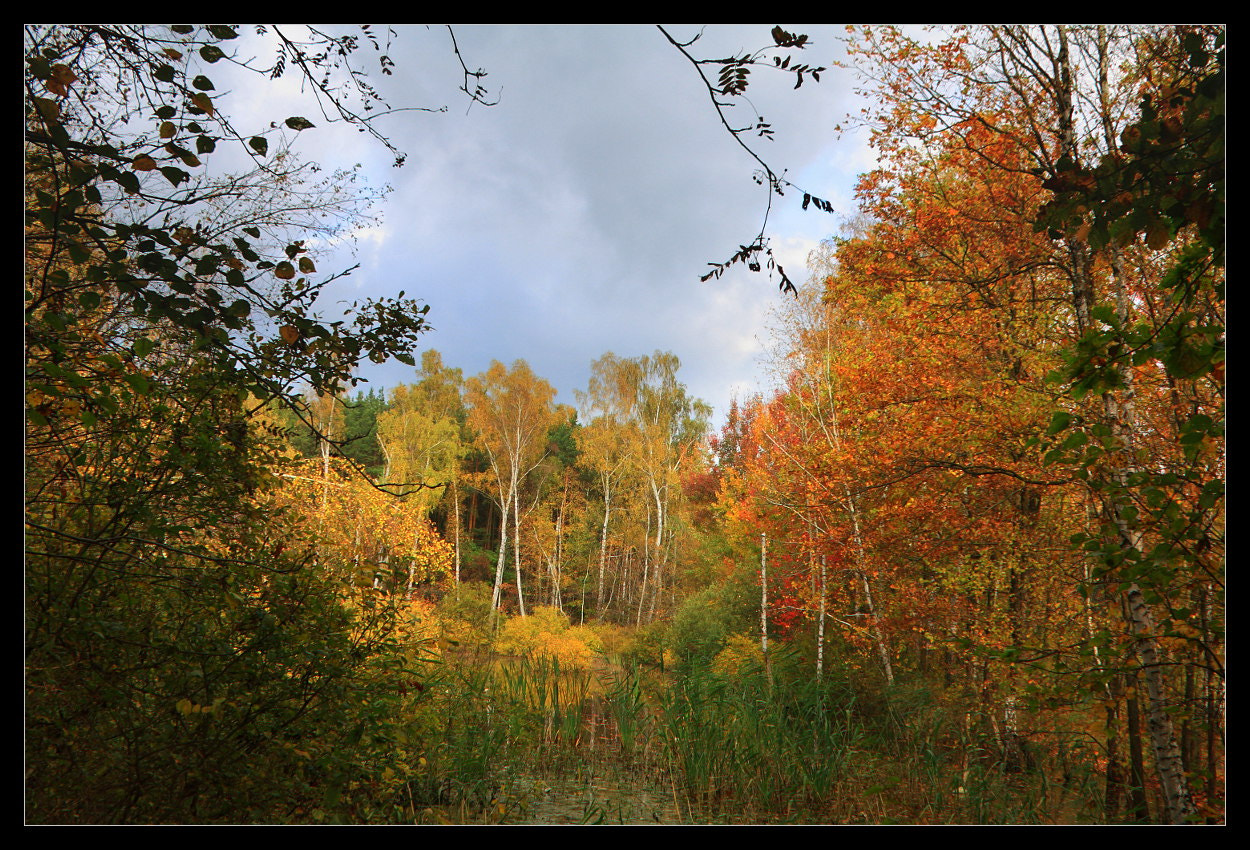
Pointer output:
x,y
202,83
175,175
211,53
1059,421
63,75
128,181
164,73
50,110
203,102
139,383
168,130
296,123
259,144
284,271
1158,235
306,266
143,162
289,334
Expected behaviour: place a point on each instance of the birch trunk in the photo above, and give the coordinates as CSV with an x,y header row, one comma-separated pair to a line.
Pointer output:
x,y
603,549
768,664
1118,412
820,626
516,550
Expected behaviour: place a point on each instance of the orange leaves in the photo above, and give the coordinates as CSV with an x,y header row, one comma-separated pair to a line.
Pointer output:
x,y
61,78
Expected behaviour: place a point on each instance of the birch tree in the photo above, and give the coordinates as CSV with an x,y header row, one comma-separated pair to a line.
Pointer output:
x,y
511,412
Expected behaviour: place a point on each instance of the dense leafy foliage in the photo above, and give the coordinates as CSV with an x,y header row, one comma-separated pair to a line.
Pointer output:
x,y
964,563
193,651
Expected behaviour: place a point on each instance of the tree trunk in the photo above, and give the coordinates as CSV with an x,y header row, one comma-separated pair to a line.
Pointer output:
x,y
1118,414
1138,802
516,550
768,663
603,551
455,500
820,625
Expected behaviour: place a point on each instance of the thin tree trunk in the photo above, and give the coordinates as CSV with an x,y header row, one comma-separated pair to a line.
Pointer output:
x,y
1139,803
603,552
1118,413
516,549
877,637
820,625
646,566
768,663
455,500
499,565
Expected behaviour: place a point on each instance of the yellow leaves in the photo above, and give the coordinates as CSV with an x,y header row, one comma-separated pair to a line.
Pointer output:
x,y
186,707
362,526
546,633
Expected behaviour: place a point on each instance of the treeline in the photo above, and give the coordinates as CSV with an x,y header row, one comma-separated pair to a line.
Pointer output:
x,y
592,519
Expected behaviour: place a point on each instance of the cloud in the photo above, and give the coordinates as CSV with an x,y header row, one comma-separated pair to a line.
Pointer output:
x,y
576,216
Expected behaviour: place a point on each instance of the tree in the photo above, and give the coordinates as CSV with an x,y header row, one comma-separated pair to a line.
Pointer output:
x,y
420,434
511,411
665,429
606,453
185,661
1052,102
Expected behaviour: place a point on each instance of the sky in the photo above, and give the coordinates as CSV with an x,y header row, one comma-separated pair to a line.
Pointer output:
x,y
575,217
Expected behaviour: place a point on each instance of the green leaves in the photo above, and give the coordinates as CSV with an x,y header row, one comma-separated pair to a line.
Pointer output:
x,y
1059,421
259,144
296,123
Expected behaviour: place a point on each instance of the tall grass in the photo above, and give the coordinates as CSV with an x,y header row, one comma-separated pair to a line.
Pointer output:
x,y
742,748
724,746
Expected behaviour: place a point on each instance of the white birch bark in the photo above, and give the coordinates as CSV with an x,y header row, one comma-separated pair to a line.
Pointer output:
x,y
768,663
